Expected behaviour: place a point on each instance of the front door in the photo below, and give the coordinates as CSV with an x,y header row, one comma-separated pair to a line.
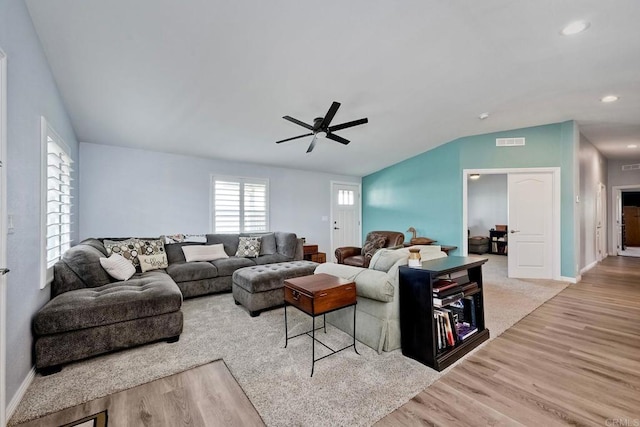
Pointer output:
x,y
530,225
345,216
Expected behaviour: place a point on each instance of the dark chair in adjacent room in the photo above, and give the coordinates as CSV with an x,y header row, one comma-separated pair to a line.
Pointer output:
x,y
360,257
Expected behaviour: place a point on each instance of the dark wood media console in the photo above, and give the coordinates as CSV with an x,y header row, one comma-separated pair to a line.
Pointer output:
x,y
426,310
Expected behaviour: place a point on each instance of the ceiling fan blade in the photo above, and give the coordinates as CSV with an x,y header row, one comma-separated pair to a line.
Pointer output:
x,y
337,138
348,124
295,137
298,122
313,144
329,116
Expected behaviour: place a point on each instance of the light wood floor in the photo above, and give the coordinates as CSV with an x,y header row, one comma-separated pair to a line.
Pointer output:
x,y
575,360
200,397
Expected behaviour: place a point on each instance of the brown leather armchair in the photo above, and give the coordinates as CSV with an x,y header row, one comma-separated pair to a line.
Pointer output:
x,y
360,257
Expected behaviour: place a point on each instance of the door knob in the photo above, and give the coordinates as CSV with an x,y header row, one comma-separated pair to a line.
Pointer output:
x,y
515,231
336,228
4,271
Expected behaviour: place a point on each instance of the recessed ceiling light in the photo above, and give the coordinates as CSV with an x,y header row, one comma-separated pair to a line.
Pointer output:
x,y
609,98
574,28
483,116
632,146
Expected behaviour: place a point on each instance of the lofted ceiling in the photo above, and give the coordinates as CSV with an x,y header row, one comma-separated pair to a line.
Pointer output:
x,y
213,78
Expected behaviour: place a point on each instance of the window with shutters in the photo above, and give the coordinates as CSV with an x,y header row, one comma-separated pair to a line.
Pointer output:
x,y
240,205
56,200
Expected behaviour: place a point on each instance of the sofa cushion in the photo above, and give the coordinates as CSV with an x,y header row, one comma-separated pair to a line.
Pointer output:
x,y
84,261
287,243
384,259
145,295
118,267
271,259
227,266
356,260
190,271
230,242
248,247
373,284
175,253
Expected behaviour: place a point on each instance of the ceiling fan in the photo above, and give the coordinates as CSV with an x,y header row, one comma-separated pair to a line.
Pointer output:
x,y
321,128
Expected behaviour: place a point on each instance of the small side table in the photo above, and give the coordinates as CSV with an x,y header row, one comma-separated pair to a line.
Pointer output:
x,y
310,253
316,295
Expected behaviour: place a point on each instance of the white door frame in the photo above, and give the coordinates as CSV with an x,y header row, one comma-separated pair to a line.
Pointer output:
x,y
3,233
616,217
555,227
331,184
601,251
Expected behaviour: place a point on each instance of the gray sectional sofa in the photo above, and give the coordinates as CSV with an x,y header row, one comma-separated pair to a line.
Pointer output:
x,y
91,313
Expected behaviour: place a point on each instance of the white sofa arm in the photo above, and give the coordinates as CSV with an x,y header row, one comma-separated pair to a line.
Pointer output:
x,y
372,284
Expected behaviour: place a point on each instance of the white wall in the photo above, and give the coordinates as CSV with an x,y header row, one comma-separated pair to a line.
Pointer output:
x,y
130,192
487,203
593,171
32,92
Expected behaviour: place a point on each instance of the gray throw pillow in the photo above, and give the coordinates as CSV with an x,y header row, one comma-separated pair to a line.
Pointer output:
x,y
268,244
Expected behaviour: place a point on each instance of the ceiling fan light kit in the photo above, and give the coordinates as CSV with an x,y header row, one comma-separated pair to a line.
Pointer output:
x,y
321,128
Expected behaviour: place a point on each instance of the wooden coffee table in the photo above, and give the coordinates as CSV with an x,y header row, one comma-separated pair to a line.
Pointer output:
x,y
315,295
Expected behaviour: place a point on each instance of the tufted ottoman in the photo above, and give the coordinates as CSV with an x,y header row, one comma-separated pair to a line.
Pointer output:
x,y
262,287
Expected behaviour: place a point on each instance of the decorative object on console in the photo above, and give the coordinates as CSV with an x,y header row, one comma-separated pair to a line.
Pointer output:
x,y
204,252
419,240
414,258
118,267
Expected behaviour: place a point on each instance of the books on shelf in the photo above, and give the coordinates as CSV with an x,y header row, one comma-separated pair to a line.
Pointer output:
x,y
465,330
440,302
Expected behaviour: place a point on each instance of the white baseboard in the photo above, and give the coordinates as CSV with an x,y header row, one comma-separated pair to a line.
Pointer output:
x,y
588,267
13,404
570,279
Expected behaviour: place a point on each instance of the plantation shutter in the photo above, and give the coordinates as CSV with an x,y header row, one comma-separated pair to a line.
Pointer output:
x,y
240,205
58,202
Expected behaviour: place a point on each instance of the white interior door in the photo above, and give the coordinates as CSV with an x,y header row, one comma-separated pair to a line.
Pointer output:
x,y
530,225
601,221
345,216
3,233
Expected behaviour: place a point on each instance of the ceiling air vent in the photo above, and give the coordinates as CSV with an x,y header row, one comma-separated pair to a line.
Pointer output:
x,y
509,142
631,167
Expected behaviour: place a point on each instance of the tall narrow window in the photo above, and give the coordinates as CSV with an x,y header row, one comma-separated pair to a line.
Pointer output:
x,y
240,205
56,199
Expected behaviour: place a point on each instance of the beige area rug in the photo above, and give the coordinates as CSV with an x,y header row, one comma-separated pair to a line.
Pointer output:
x,y
346,389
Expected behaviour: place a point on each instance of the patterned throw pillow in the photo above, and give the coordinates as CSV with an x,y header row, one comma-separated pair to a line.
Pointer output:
x,y
153,262
130,249
374,242
151,247
248,247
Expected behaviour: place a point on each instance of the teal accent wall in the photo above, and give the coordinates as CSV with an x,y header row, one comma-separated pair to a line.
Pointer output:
x,y
425,191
